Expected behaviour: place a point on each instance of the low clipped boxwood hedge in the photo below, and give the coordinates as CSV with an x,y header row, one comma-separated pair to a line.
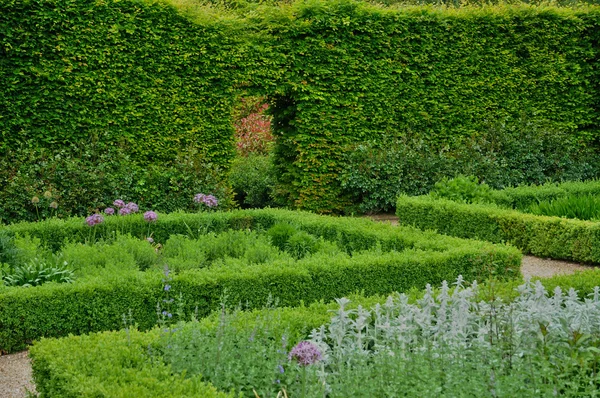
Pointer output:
x,y
84,366
543,236
523,197
383,259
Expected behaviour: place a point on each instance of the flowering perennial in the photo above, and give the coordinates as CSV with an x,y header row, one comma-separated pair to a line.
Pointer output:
x,y
306,353
150,216
208,200
94,219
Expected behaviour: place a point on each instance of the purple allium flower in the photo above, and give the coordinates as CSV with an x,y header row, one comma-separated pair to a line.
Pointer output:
x,y
211,201
149,239
123,211
306,353
208,200
132,207
94,219
119,203
109,211
150,216
199,198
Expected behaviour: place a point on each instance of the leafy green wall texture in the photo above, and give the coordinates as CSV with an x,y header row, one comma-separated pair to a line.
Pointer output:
x,y
127,74
357,73
152,81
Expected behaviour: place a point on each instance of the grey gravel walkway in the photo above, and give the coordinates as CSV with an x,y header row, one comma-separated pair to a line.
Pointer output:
x,y
15,375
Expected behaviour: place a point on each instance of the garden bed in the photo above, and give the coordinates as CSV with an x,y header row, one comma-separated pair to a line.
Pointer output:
x,y
445,341
123,277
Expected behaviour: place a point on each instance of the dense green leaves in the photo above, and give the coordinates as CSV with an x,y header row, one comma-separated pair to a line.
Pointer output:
x,y
378,259
358,73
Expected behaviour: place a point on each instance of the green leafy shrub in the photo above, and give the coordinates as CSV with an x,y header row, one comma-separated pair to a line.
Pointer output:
x,y
500,156
39,271
253,179
83,180
579,207
280,235
523,197
465,189
301,244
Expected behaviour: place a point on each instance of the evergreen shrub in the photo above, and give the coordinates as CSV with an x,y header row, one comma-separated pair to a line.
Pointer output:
x,y
374,258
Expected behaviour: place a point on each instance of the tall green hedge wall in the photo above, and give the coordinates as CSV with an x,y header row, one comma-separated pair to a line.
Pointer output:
x,y
153,80
131,74
359,73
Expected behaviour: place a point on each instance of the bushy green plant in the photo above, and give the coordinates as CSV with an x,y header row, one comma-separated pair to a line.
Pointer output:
x,y
39,271
8,249
280,234
584,207
502,155
301,244
253,179
465,189
85,179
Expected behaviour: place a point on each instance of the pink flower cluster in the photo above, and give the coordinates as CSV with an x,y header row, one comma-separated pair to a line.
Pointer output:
x,y
208,200
253,132
94,219
150,216
306,353
124,209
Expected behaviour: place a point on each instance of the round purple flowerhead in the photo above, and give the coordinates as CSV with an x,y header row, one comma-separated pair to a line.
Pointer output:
x,y
208,200
199,198
119,203
123,211
133,208
306,353
211,201
150,216
109,211
94,219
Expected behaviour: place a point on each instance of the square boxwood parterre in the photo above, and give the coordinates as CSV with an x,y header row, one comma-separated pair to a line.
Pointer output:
x,y
543,236
118,363
379,259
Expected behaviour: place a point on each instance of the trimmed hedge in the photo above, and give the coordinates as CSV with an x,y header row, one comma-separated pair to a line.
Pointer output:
x,y
82,366
359,73
543,236
383,259
523,197
131,74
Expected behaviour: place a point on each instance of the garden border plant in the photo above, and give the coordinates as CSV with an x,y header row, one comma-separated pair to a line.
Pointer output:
x,y
82,366
404,258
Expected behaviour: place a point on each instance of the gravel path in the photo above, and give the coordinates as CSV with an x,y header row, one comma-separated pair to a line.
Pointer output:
x,y
15,369
15,375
